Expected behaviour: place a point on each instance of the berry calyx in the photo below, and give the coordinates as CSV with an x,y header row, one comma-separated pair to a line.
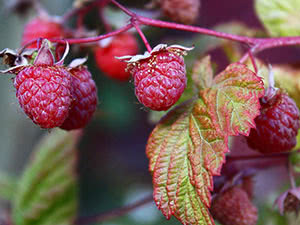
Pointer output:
x,y
159,76
84,95
233,207
41,27
123,44
277,125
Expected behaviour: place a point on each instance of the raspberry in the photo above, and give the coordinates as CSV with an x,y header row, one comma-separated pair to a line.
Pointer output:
x,y
277,125
182,11
159,77
44,93
123,44
41,27
85,99
233,207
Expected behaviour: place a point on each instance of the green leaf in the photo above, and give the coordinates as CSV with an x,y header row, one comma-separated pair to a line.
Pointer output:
x,y
8,185
187,148
280,17
202,73
47,191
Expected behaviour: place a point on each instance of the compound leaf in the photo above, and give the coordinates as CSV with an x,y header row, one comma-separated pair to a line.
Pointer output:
x,y
47,190
187,148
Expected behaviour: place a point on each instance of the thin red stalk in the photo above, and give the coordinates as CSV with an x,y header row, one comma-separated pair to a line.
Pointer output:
x,y
93,39
149,49
114,213
106,25
170,25
124,9
85,9
291,174
80,19
276,42
244,57
253,61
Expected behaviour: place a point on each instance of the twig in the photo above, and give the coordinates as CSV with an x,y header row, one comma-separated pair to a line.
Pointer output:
x,y
142,36
93,39
291,174
114,213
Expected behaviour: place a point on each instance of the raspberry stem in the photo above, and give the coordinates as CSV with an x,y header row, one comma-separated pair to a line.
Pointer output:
x,y
114,213
85,9
291,175
93,39
256,44
138,29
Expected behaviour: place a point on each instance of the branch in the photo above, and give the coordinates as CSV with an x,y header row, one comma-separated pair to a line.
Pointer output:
x,y
92,39
114,213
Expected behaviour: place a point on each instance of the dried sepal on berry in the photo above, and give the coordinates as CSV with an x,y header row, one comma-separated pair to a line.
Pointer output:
x,y
180,50
159,75
15,59
289,201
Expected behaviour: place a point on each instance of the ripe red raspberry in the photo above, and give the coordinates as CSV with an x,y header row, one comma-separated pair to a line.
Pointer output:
x,y
159,77
182,11
277,125
123,44
41,27
44,93
85,99
233,207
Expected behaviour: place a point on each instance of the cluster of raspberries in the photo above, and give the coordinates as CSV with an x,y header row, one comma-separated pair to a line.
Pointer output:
x,y
51,94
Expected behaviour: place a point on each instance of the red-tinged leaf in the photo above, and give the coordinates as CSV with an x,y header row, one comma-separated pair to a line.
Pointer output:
x,y
202,74
237,92
187,148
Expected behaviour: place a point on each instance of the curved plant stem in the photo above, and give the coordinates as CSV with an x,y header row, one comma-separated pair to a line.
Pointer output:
x,y
93,39
84,10
291,174
253,61
124,9
138,29
114,213
170,25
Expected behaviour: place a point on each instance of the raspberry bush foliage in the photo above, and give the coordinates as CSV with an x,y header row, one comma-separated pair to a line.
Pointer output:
x,y
224,146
